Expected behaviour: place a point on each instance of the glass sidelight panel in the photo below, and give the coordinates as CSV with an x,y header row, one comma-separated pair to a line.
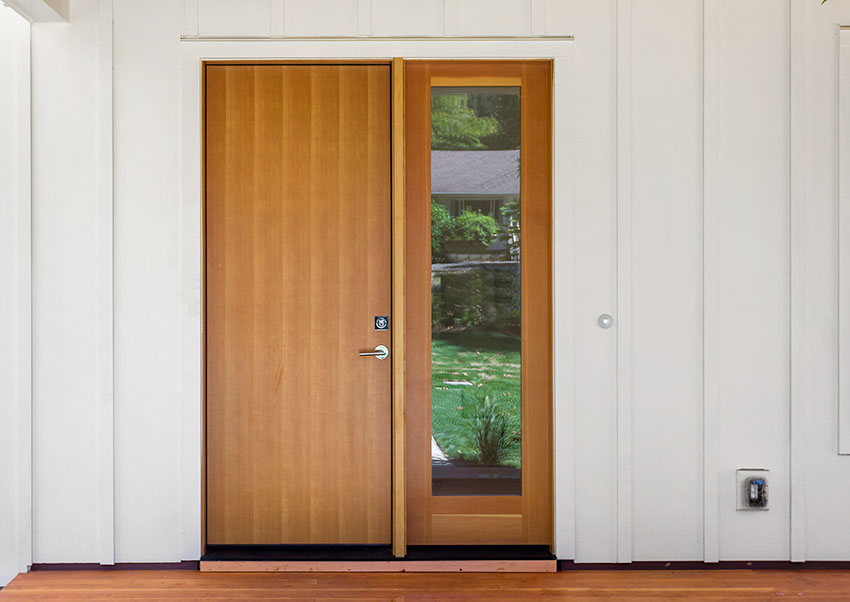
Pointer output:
x,y
476,397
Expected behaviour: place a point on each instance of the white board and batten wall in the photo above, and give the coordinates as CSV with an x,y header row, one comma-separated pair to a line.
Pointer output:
x,y
708,147
15,306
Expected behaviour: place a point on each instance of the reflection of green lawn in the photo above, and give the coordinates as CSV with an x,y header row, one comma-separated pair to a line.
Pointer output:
x,y
491,362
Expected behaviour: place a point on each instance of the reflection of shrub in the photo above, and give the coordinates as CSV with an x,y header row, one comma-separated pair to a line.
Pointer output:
x,y
460,301
440,222
511,235
476,230
490,427
473,226
477,298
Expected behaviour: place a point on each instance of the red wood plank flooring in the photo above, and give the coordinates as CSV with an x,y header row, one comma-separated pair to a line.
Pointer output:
x,y
727,585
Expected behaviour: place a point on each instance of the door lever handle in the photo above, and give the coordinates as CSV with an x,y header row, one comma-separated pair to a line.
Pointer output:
x,y
381,352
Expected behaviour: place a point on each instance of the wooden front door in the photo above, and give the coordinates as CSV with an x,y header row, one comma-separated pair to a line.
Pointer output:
x,y
297,268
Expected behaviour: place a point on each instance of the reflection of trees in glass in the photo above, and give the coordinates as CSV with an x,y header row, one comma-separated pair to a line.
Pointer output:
x,y
456,126
477,298
475,121
469,226
473,226
464,300
504,108
511,212
476,293
440,222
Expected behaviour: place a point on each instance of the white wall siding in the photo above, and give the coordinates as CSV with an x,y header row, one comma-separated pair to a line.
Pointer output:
x,y
65,261
147,287
753,288
392,18
15,366
827,523
218,18
378,18
844,241
8,293
595,282
666,251
494,17
557,15
320,18
683,118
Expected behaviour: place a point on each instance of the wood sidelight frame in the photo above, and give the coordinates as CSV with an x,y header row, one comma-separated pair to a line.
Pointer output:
x,y
526,519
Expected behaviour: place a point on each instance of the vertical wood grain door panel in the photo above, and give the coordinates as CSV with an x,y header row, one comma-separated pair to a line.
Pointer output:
x,y
297,265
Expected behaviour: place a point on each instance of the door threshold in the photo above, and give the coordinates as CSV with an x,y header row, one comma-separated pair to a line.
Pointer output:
x,y
379,566
377,559
299,552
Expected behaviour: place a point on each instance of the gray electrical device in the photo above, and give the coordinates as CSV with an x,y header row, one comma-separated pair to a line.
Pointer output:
x,y
752,488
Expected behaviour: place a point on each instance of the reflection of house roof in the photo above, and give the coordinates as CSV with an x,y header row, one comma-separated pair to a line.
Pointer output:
x,y
475,172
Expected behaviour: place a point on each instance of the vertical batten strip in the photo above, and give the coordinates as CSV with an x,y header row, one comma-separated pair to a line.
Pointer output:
x,y
844,242
538,17
399,528
624,280
190,19
450,17
711,279
563,237
105,360
277,18
364,17
23,519
798,343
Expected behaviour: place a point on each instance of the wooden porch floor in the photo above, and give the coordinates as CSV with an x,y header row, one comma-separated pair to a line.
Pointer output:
x,y
727,585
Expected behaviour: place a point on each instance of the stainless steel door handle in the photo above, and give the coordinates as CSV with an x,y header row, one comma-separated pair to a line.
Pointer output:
x,y
381,352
